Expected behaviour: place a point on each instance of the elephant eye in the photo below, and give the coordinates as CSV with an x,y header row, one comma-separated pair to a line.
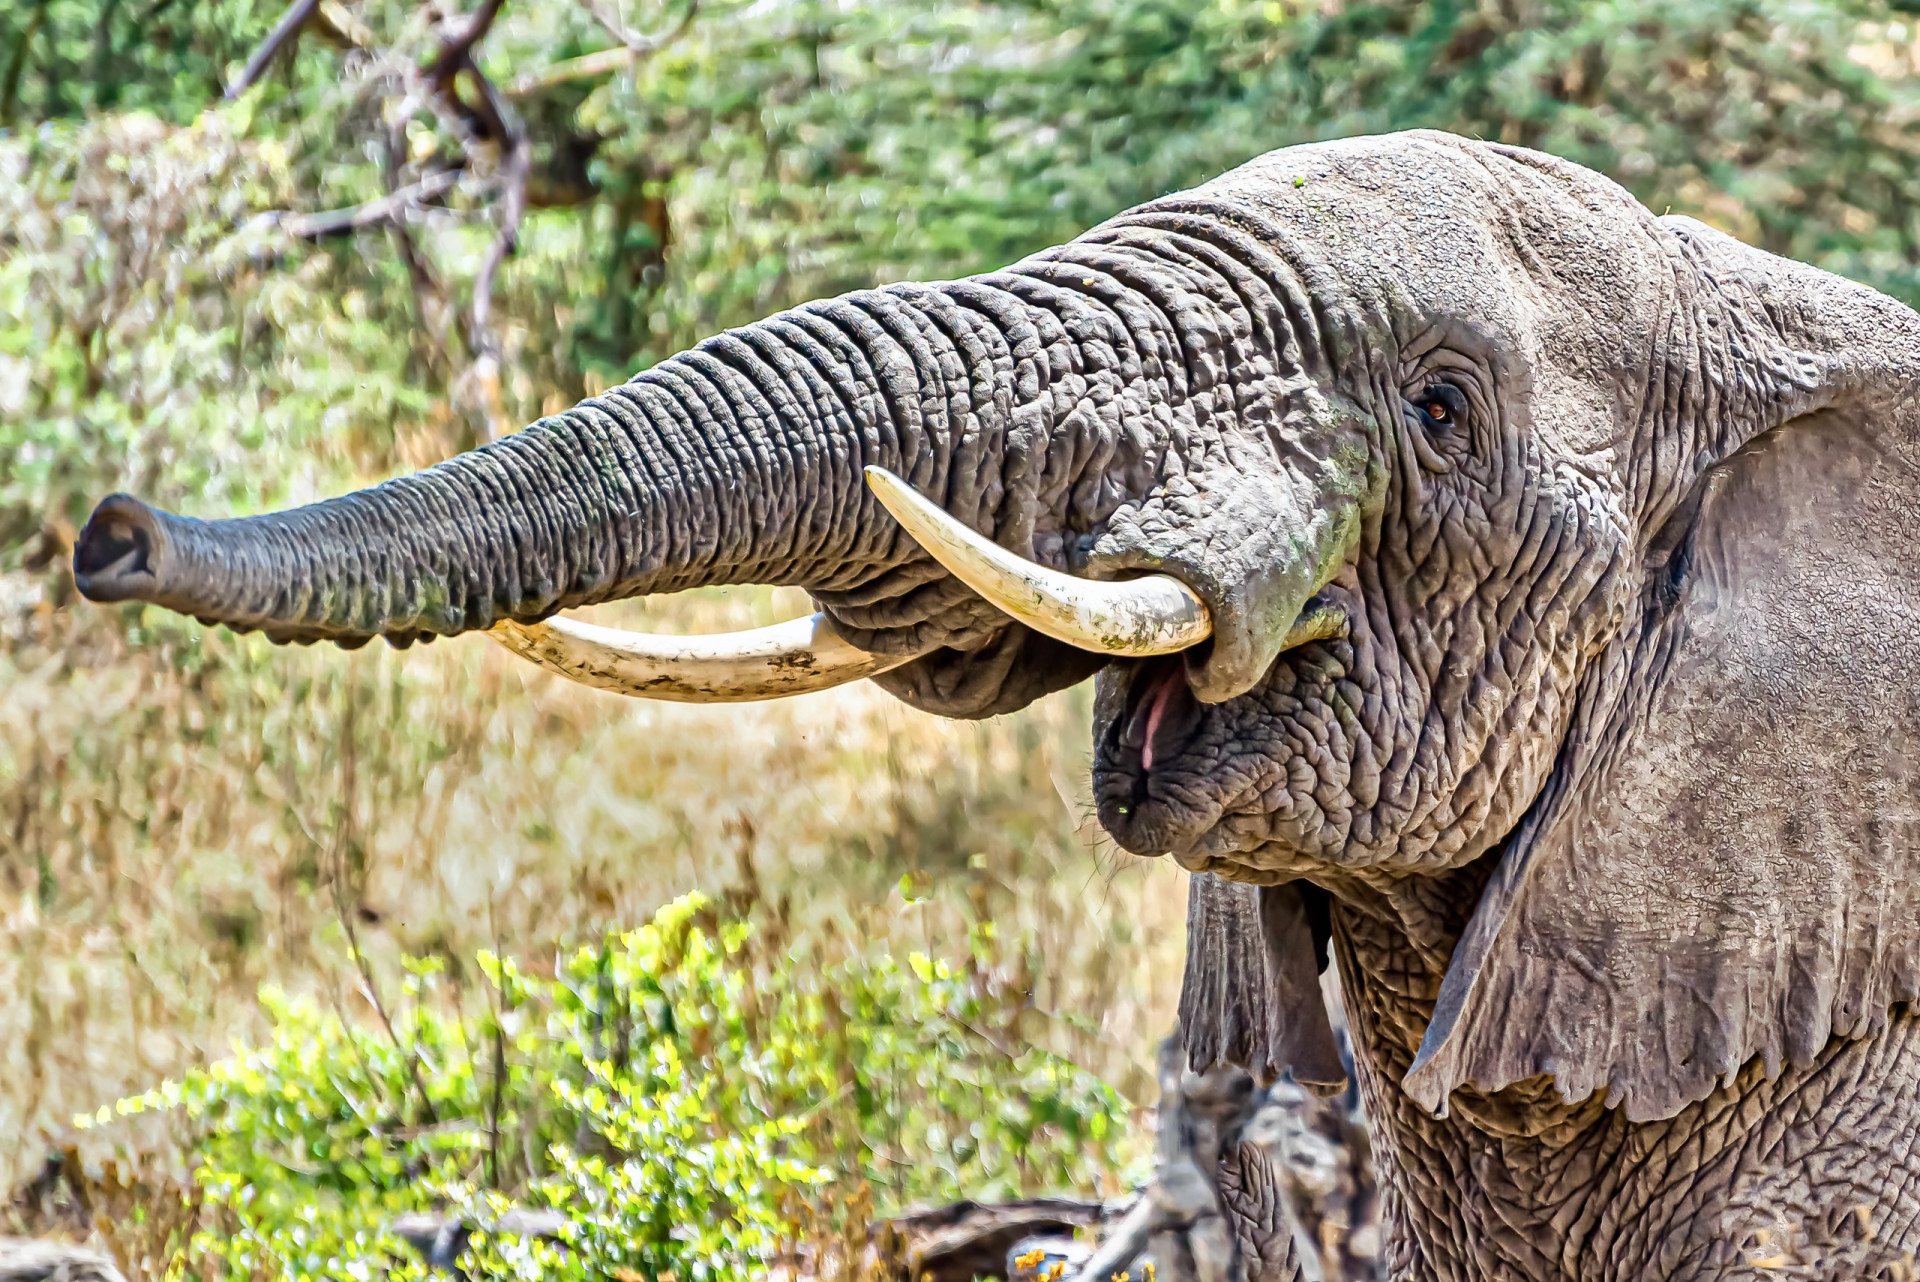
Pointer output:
x,y
1442,405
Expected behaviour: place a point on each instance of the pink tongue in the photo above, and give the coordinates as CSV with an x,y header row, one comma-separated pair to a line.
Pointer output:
x,y
1162,696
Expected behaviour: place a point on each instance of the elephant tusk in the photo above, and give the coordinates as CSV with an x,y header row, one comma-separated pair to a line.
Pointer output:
x,y
1317,622
1156,614
796,657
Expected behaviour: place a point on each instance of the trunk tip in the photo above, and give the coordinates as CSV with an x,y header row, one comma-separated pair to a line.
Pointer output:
x,y
117,556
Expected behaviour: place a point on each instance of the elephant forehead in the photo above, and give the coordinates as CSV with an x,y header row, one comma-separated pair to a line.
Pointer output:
x,y
1524,247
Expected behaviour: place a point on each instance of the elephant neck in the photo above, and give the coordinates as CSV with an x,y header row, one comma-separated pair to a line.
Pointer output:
x,y
1808,1168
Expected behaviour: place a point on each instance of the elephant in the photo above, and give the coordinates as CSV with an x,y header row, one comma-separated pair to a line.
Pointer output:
x,y
1494,591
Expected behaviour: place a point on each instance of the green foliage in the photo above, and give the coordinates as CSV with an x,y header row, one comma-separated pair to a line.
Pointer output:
x,y
688,1196
681,1093
65,57
775,153
159,337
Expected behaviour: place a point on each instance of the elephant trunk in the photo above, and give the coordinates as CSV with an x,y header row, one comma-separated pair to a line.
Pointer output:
x,y
739,461
1148,400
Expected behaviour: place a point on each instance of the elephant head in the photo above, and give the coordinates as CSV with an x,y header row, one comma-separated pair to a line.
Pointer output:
x,y
1428,509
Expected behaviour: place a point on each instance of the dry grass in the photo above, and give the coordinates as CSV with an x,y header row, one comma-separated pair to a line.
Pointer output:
x,y
188,814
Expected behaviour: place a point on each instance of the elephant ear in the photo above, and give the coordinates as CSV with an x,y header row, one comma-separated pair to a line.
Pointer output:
x,y
1726,864
1251,995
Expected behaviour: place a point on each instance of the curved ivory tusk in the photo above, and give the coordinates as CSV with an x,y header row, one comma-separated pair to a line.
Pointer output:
x,y
1157,614
1318,622
734,667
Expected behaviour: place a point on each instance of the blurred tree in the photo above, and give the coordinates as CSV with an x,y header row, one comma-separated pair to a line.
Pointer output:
x,y
64,58
538,197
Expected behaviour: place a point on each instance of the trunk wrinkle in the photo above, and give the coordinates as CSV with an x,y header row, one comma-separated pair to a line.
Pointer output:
x,y
1034,404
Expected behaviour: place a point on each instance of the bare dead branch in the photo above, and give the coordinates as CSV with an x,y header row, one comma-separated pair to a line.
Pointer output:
x,y
339,25
283,33
332,853
585,67
513,204
459,46
631,52
430,298
490,119
467,101
641,46
483,118
429,295
393,205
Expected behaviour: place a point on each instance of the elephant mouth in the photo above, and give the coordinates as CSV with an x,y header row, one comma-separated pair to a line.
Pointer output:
x,y
1162,713
1150,797
1175,775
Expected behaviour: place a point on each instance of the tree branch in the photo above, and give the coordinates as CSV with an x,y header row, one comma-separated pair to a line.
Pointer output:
x,y
513,204
586,67
631,52
339,25
489,119
10,92
459,46
480,116
429,295
390,207
283,32
485,119
641,46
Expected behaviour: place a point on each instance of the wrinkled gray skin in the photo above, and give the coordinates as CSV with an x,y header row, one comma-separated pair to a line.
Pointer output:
x,y
1607,801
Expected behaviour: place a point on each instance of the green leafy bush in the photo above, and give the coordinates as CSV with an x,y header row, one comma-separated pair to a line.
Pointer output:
x,y
697,1098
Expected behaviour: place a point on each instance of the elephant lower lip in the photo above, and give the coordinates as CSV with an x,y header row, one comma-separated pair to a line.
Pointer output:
x,y
1150,794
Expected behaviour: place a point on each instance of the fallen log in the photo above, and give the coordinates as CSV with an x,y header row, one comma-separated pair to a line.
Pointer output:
x,y
970,1240
953,1243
